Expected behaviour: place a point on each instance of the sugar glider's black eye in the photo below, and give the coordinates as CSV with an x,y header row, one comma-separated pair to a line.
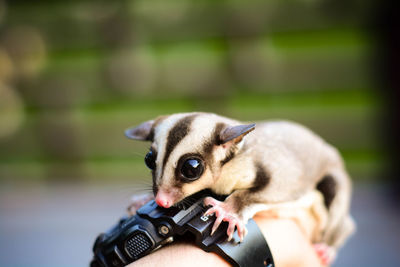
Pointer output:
x,y
150,160
192,169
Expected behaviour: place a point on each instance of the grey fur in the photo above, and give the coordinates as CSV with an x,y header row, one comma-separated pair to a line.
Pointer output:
x,y
275,162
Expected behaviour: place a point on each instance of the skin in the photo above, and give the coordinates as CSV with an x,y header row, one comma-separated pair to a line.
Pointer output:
x,y
288,244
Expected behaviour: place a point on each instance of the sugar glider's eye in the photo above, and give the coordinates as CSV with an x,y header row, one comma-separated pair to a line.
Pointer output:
x,y
192,169
150,160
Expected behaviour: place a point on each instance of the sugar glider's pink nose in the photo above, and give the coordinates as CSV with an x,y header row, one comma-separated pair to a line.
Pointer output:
x,y
164,199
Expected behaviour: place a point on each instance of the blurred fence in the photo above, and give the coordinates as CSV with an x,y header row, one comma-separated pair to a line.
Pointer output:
x,y
75,74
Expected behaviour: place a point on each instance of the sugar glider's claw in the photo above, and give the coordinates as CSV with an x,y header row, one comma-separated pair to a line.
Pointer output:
x,y
325,253
223,213
209,201
217,222
242,231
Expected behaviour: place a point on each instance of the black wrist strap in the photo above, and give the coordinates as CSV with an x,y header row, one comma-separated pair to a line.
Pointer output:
x,y
153,227
253,251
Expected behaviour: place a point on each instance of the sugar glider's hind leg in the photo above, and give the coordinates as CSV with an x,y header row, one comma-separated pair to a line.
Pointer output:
x,y
336,189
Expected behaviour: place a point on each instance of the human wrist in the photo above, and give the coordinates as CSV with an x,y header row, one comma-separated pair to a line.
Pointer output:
x,y
287,243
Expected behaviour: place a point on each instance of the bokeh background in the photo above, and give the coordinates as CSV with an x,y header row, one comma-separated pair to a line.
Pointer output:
x,y
75,74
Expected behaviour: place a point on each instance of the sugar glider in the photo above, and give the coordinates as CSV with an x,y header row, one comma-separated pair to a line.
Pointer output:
x,y
271,164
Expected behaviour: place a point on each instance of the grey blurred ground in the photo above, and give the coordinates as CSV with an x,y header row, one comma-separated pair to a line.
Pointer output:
x,y
56,225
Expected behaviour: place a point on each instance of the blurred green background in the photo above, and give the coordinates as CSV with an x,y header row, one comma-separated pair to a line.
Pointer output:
x,y
75,74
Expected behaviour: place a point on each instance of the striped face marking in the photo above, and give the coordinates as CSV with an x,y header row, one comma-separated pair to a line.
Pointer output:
x,y
176,134
188,151
185,145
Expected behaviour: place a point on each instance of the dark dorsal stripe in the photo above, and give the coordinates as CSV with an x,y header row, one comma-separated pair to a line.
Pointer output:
x,y
327,186
176,134
262,179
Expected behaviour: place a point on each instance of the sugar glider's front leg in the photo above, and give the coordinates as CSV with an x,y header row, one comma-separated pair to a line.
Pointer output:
x,y
138,201
236,210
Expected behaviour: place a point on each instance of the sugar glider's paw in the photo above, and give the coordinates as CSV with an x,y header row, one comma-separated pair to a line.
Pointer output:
x,y
137,201
325,253
225,213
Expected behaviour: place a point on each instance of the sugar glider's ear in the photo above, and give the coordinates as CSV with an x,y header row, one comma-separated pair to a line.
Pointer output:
x,y
235,133
143,132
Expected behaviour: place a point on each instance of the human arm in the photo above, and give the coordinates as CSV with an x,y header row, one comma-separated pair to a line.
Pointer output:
x,y
288,244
